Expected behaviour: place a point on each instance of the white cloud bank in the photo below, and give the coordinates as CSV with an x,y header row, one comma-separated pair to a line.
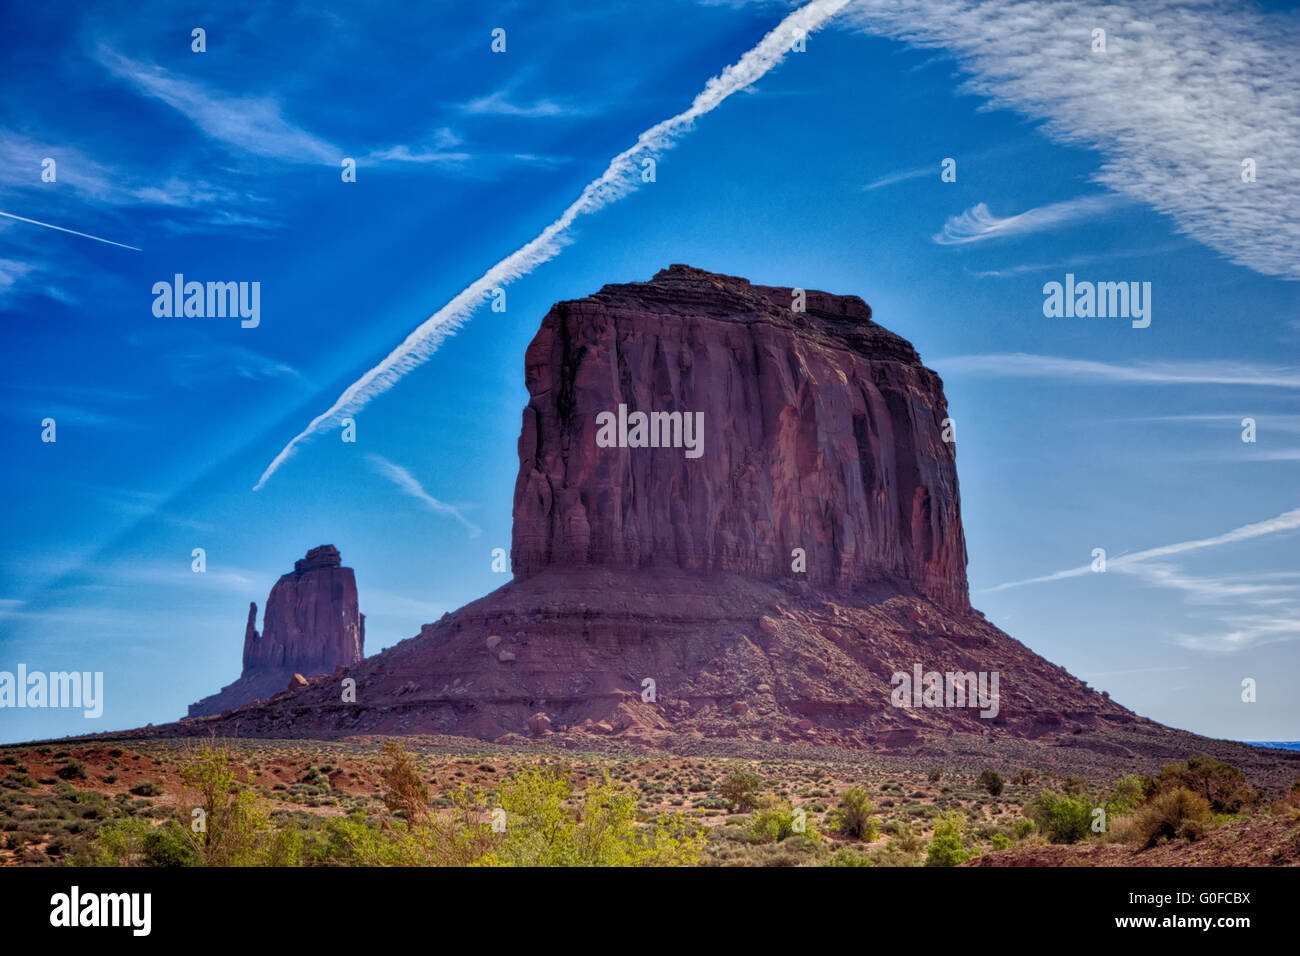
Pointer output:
x,y
1185,91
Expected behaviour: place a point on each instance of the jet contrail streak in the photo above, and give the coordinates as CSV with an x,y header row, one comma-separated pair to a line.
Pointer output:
x,y
84,235
1286,521
618,180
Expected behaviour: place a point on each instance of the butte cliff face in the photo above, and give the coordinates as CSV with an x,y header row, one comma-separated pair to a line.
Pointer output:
x,y
311,626
822,455
772,587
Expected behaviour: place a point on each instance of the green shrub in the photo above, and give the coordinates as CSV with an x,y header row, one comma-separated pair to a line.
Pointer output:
x,y
1221,784
773,824
1062,818
168,845
542,832
118,842
1177,813
992,781
1075,786
846,857
740,790
147,789
1130,792
855,815
946,848
406,792
72,770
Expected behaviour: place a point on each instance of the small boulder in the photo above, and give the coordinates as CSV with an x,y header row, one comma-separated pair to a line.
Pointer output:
x,y
493,641
505,657
539,724
296,682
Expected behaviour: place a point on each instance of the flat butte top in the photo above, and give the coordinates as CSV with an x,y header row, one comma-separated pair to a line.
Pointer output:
x,y
681,290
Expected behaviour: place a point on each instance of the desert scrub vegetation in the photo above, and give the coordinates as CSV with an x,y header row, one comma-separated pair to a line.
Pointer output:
x,y
534,818
853,817
217,822
1061,817
947,847
1183,801
1221,785
778,820
740,790
1174,813
58,827
992,781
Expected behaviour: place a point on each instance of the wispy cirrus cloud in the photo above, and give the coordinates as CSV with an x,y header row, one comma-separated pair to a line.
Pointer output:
x,y
404,480
404,154
1172,118
1287,521
1076,262
440,146
902,176
1268,603
500,104
1026,365
1242,631
620,178
241,123
208,362
81,179
1285,423
977,224
13,272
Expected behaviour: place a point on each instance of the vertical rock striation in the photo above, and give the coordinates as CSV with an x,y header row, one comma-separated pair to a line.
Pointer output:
x,y
822,431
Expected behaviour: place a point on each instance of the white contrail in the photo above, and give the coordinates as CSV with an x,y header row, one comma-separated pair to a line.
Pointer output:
x,y
84,235
1286,521
411,485
619,179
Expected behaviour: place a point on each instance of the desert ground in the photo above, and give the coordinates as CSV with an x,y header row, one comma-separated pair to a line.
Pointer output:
x,y
740,803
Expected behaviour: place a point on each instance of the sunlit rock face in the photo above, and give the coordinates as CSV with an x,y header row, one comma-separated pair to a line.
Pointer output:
x,y
818,430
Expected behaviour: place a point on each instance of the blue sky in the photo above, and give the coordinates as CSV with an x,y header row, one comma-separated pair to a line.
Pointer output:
x,y
821,169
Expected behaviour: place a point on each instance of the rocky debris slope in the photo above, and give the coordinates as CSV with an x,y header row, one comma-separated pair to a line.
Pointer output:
x,y
311,626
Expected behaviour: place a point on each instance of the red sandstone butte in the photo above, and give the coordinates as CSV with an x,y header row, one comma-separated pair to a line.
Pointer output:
x,y
311,626
822,431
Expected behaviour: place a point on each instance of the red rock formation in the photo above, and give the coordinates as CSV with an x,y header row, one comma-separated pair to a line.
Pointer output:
x,y
312,625
822,431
